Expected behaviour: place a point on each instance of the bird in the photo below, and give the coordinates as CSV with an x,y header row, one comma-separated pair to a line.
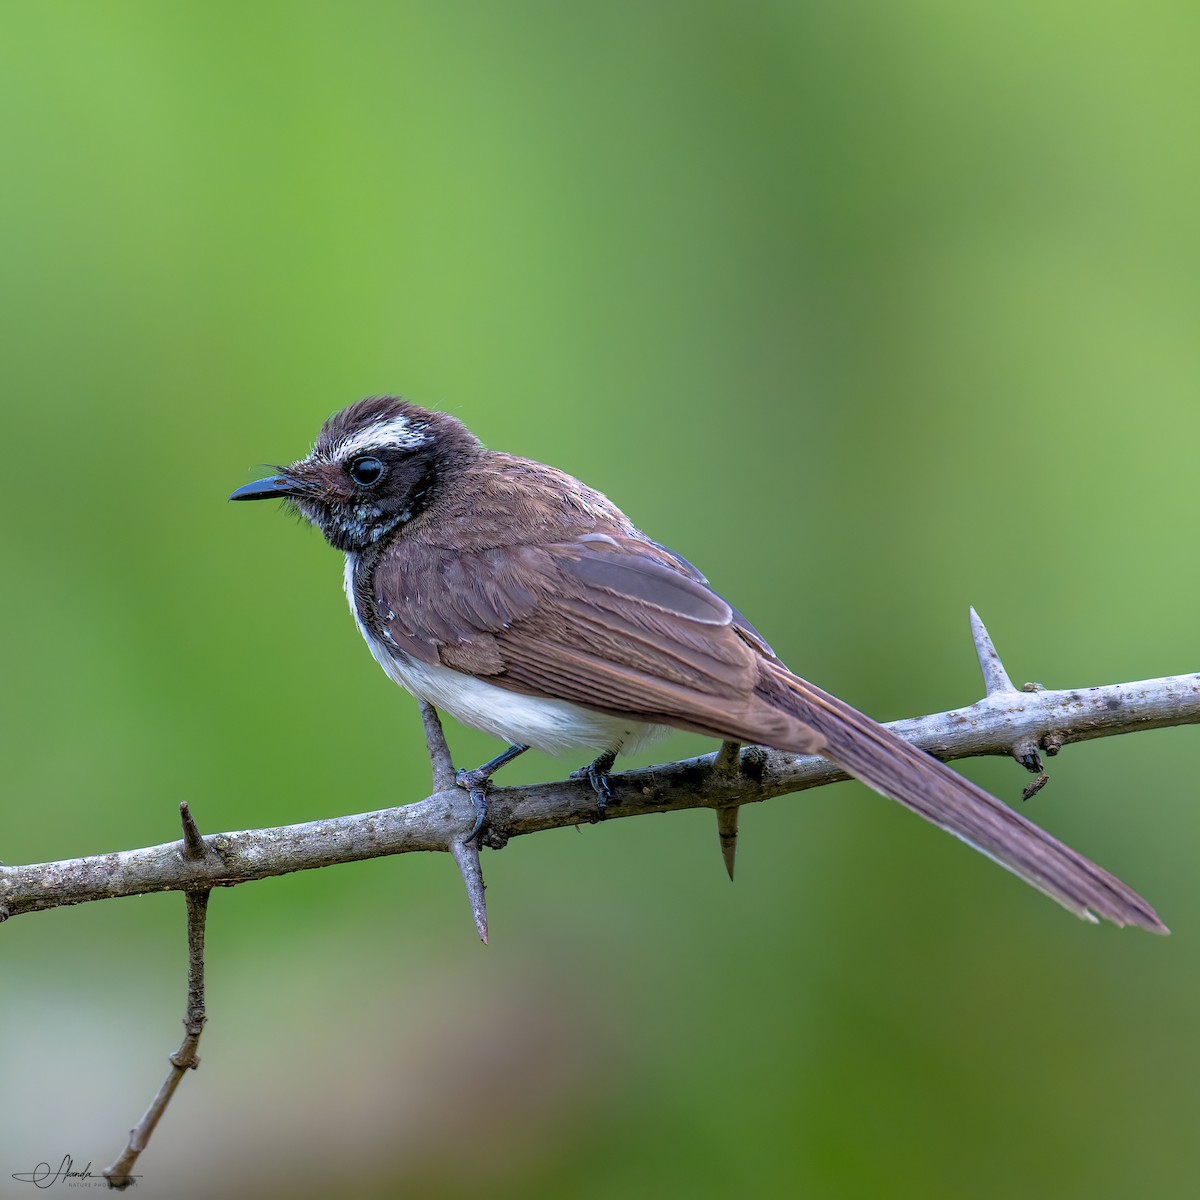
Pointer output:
x,y
525,604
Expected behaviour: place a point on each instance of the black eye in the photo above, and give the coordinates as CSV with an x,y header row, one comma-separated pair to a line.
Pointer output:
x,y
366,471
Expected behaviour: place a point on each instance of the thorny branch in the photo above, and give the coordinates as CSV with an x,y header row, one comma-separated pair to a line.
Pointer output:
x,y
1023,724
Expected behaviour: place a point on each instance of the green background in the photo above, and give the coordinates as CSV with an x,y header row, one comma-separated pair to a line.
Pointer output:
x,y
873,310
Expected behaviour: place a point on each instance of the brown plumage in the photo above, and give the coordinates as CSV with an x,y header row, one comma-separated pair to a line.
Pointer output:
x,y
469,567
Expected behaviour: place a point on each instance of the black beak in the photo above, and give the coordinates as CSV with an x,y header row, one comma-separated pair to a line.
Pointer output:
x,y
275,488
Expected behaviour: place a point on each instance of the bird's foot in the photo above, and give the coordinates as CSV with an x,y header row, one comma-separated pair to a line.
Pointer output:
x,y
597,772
476,784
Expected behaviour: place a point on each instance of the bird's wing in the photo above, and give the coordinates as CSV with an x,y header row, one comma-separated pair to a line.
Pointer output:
x,y
610,621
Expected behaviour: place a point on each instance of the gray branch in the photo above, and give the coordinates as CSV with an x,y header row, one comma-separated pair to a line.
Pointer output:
x,y
1022,724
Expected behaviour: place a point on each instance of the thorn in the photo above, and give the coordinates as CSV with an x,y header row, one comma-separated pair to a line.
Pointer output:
x,y
193,843
466,854
439,753
995,677
726,760
727,831
997,682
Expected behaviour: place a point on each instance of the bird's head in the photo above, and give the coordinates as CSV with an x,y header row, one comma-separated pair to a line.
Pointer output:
x,y
376,466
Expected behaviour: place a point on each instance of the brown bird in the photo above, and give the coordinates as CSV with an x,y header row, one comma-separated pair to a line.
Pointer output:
x,y
526,604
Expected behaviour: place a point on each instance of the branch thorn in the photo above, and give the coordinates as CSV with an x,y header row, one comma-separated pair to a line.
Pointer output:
x,y
466,854
193,844
727,760
727,831
995,677
997,682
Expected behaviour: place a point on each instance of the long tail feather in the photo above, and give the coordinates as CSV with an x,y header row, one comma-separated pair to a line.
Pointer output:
x,y
948,800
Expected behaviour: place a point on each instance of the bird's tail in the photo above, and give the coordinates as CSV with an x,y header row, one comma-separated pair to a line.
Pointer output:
x,y
932,790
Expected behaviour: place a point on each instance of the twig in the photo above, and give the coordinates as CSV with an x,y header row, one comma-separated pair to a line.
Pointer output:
x,y
120,1174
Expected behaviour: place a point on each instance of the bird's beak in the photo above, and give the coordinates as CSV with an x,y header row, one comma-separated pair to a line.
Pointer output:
x,y
275,488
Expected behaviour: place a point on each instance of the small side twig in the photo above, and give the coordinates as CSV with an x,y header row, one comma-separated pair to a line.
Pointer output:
x,y
120,1173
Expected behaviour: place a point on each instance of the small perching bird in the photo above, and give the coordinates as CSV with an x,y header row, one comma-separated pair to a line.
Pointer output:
x,y
527,605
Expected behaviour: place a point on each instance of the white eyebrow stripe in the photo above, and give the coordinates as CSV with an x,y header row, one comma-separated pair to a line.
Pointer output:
x,y
398,433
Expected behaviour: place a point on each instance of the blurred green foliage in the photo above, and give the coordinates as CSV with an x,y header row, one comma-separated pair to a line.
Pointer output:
x,y
873,310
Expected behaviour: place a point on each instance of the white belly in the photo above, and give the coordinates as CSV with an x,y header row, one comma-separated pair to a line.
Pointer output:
x,y
553,726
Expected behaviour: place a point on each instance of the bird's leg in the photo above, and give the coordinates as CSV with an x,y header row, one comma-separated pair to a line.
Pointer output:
x,y
477,782
597,772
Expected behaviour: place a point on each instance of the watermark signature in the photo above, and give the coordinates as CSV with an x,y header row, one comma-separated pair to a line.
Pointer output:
x,y
44,1175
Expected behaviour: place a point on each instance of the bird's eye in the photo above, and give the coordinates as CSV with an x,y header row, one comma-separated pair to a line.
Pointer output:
x,y
366,471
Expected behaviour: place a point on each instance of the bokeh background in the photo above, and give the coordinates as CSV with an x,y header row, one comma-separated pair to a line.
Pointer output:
x,y
873,310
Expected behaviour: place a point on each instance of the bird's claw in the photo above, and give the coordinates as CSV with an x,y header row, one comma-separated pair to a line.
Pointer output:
x,y
597,772
475,784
